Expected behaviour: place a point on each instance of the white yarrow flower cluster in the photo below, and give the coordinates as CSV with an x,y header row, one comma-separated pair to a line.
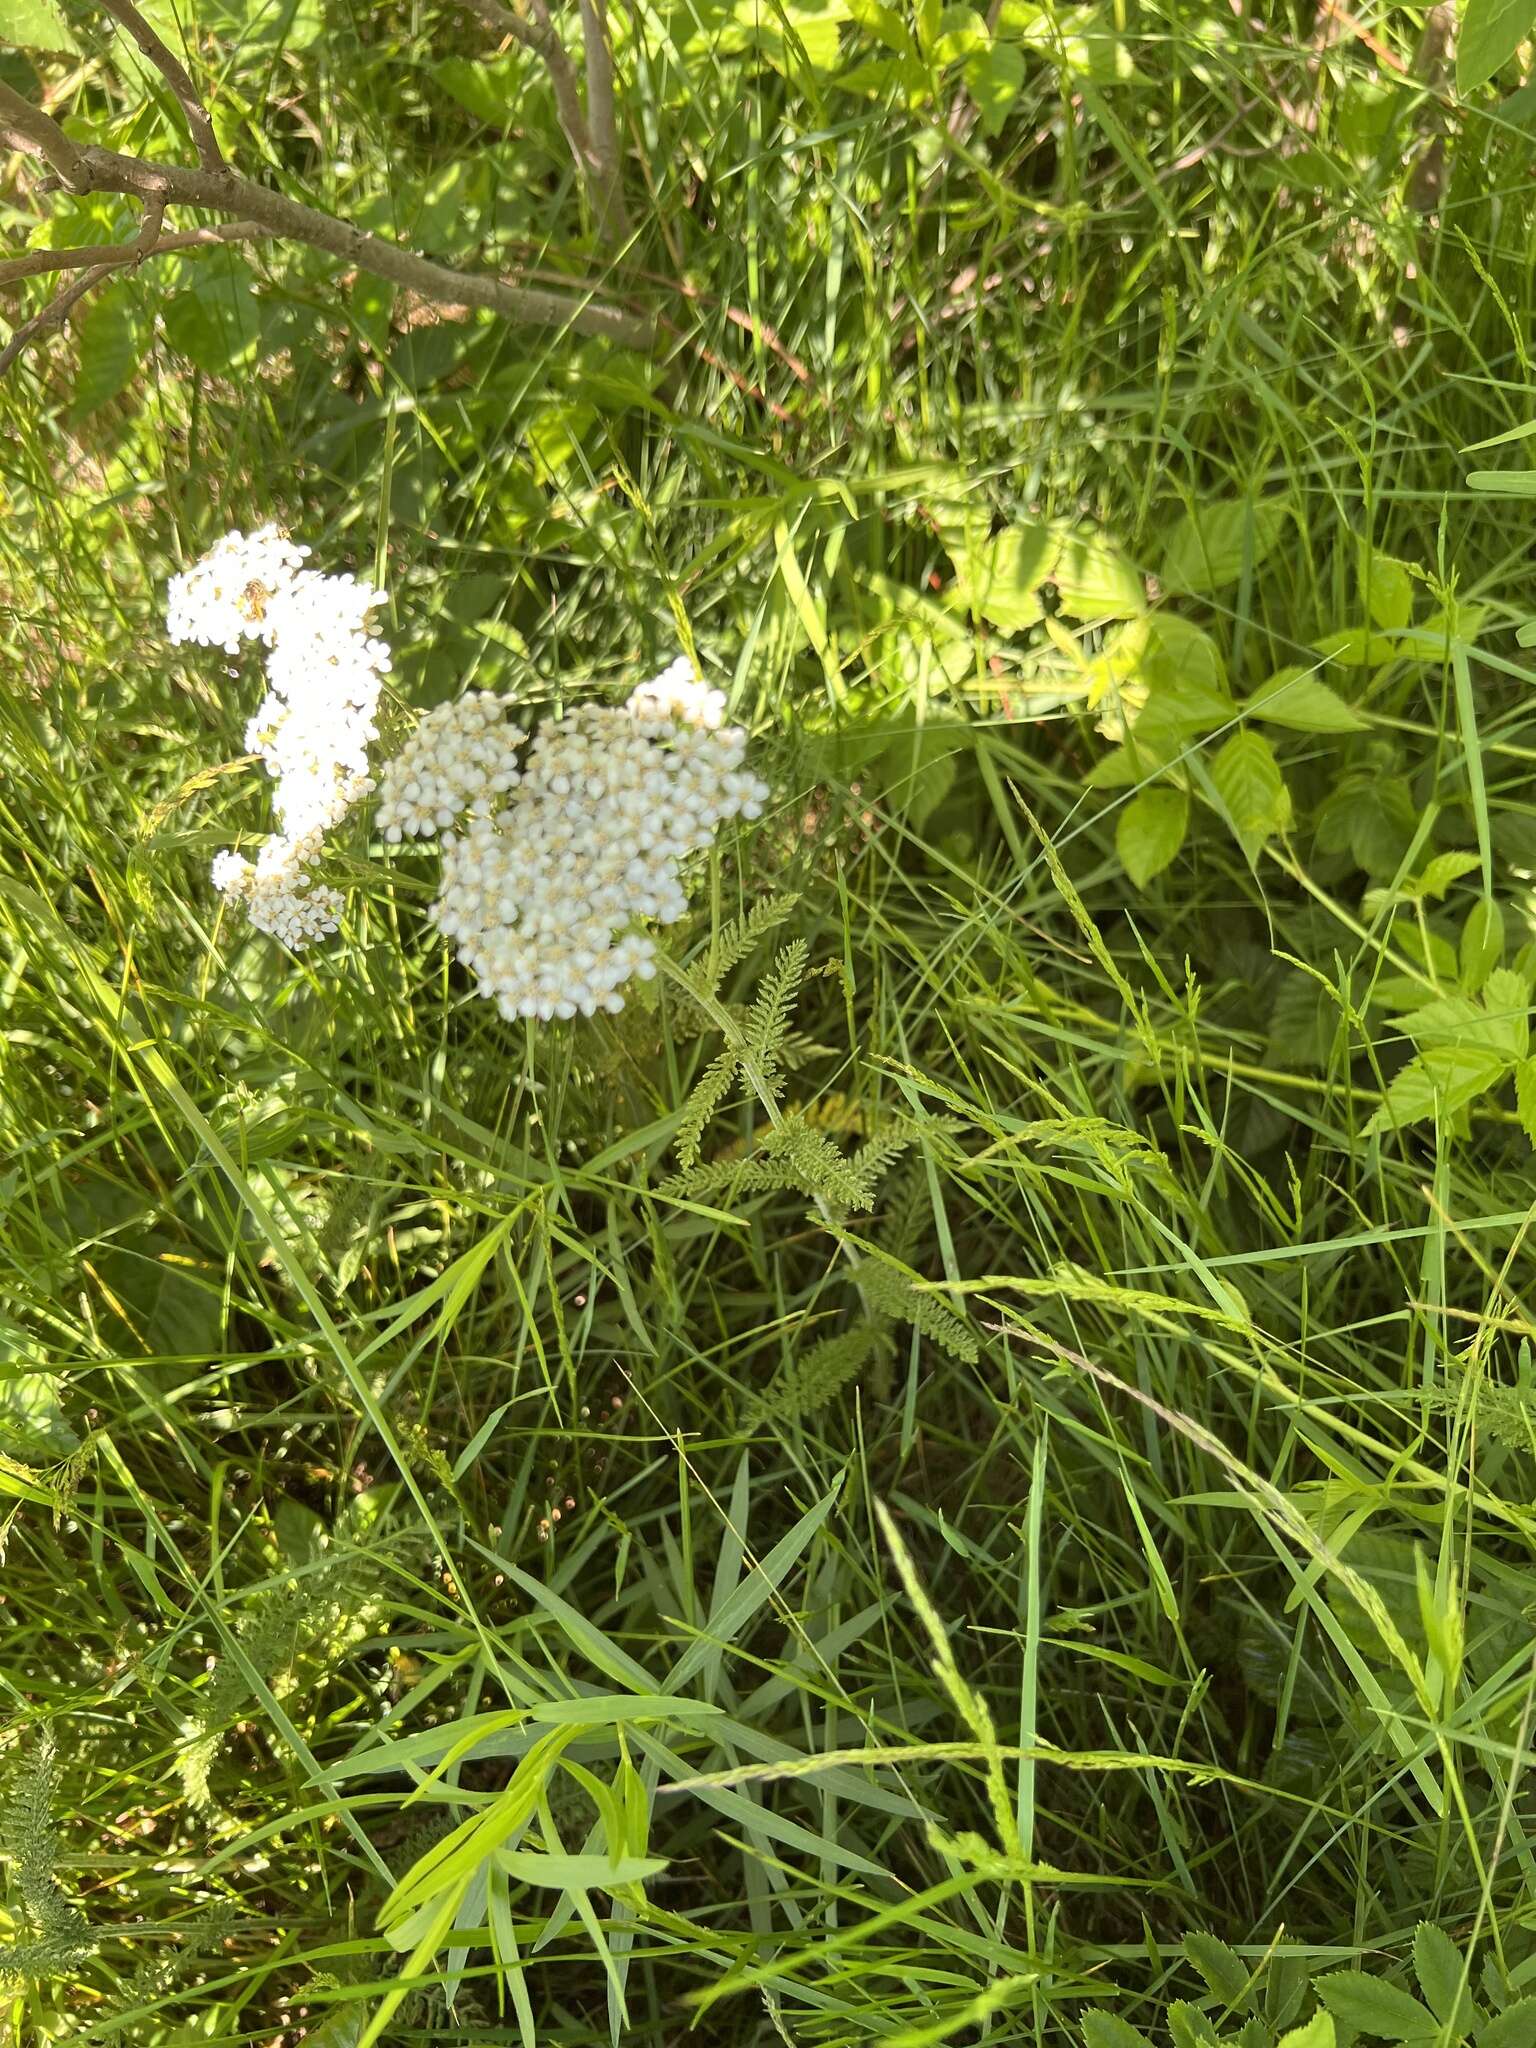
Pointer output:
x,y
460,758
324,671
221,601
553,862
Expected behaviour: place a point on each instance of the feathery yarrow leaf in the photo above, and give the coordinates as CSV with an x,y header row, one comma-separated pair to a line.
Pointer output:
x,y
57,1937
709,1091
768,1022
814,1377
736,938
897,1294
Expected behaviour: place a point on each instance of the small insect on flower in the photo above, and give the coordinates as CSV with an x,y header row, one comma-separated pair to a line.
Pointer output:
x,y
221,601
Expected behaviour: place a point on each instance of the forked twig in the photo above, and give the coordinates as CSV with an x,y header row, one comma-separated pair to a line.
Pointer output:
x,y
539,36
215,187
174,72
590,130
54,314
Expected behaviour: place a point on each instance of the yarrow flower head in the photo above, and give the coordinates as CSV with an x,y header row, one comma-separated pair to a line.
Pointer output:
x,y
222,600
546,892
324,671
461,757
560,850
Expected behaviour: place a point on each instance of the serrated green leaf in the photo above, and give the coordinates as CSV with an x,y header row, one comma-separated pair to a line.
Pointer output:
x,y
1150,832
1441,1080
1514,2027
1210,545
1296,699
1319,2032
1188,2026
1525,1097
1507,1011
1247,779
1490,33
1438,1965
1438,875
1446,1020
1374,2007
1108,2030
1226,1974
1499,1023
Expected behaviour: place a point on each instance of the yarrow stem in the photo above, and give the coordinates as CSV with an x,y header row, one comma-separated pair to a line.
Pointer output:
x,y
558,850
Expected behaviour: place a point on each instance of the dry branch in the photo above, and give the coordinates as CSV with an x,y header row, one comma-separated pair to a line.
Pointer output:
x,y
54,314
589,131
117,255
174,72
214,187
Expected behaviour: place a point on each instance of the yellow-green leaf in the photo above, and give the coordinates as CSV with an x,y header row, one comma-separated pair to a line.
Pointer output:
x,y
1093,579
1151,831
1000,577
1252,790
35,25
1443,1079
1489,34
1296,699
1386,584
1210,546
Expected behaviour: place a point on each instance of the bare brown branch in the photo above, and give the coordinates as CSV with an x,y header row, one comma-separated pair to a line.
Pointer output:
x,y
256,207
539,36
590,131
54,314
29,129
42,262
174,72
607,188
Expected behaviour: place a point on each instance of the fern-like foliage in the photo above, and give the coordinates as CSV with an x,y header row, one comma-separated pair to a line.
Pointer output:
x,y
55,1938
886,1288
906,1209
738,937
791,1156
754,1049
709,1091
319,1613
768,1020
188,1955
808,1382
1507,1414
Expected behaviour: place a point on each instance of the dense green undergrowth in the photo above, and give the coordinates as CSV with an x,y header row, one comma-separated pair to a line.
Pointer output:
x,y
961,1470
